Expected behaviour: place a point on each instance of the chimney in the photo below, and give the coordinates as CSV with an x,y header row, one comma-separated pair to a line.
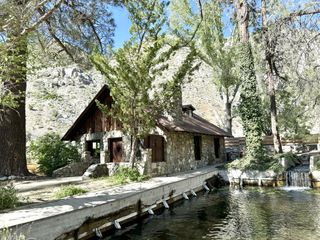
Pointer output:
x,y
188,110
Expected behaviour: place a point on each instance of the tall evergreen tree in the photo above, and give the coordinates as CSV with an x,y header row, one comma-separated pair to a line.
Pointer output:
x,y
250,102
73,25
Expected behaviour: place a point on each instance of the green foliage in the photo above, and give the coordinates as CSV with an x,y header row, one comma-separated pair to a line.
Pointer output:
x,y
8,234
317,163
68,191
126,174
12,70
214,49
249,163
134,71
51,153
8,197
292,115
250,107
49,95
269,163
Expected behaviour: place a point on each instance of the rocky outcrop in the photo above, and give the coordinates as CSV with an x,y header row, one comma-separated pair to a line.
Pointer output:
x,y
72,169
57,96
95,171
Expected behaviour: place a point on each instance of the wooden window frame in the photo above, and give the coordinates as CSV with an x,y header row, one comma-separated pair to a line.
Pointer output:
x,y
148,143
197,146
217,144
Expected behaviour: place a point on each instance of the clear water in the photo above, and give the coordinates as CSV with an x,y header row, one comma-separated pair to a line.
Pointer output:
x,y
252,213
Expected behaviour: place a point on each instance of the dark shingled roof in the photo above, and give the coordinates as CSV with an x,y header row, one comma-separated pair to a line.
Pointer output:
x,y
192,124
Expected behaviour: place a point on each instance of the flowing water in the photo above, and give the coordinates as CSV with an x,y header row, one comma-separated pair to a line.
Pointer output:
x,y
251,213
298,177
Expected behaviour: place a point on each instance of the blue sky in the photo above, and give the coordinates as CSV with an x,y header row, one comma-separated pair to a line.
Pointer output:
x,y
122,26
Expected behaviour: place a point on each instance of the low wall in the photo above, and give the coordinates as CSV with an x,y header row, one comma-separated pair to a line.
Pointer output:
x,y
54,219
315,179
253,178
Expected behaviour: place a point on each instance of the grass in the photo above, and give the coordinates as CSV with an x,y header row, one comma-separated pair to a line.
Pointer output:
x,y
68,191
122,176
127,174
8,197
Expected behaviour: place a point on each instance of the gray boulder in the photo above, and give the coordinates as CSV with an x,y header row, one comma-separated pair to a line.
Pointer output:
x,y
72,169
95,171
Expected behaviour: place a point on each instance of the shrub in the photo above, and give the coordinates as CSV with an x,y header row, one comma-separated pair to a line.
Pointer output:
x,y
127,174
292,159
269,163
51,153
317,163
8,197
68,191
8,234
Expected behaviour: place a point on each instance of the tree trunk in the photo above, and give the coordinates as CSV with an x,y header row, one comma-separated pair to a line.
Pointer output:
x,y
250,105
13,121
133,148
271,80
228,114
274,117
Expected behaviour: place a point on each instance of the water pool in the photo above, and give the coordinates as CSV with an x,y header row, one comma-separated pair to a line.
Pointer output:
x,y
251,213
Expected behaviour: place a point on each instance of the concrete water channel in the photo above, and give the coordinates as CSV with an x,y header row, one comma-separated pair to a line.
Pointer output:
x,y
91,214
95,213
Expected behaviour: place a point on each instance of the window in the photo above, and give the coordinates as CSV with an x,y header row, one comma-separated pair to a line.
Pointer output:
x,y
197,147
94,148
217,147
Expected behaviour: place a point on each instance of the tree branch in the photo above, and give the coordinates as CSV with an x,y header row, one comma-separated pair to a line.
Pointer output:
x,y
43,18
301,13
198,26
54,36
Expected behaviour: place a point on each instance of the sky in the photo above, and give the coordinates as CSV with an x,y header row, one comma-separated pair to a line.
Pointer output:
x,y
122,26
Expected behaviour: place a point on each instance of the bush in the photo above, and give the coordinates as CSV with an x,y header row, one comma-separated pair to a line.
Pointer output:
x,y
269,163
292,158
68,191
51,153
127,174
8,234
8,197
317,163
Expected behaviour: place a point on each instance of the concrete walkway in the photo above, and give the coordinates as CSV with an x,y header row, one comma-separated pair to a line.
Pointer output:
x,y
50,220
31,185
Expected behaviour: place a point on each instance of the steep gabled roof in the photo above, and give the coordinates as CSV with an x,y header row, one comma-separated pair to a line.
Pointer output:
x,y
103,92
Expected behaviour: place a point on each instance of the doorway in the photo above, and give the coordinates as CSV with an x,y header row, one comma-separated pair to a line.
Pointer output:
x,y
115,149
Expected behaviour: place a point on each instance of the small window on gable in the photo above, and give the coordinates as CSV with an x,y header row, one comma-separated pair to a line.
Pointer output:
x,y
197,147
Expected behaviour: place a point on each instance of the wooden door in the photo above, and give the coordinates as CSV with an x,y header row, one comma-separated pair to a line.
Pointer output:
x,y
115,146
156,143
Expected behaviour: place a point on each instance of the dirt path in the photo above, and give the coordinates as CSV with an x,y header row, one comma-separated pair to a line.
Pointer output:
x,y
37,191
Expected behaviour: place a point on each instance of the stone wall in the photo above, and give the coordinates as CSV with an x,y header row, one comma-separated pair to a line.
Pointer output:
x,y
179,154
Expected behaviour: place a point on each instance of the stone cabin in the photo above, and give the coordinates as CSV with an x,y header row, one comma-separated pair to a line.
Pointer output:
x,y
181,144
